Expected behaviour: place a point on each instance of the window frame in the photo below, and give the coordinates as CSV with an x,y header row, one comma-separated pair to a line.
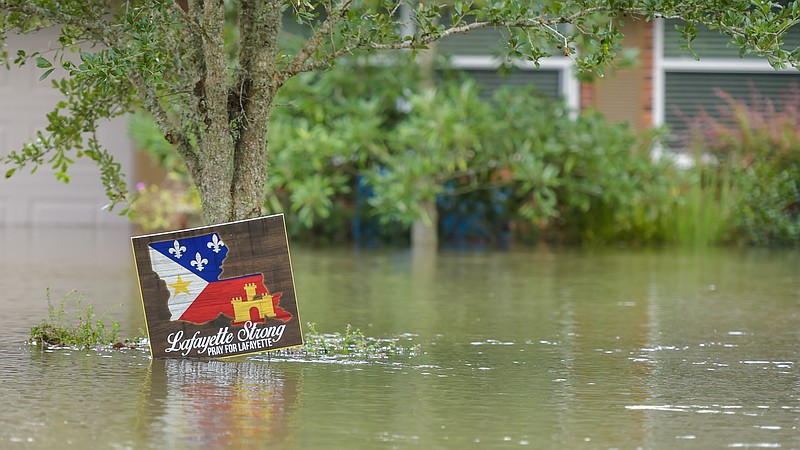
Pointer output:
x,y
663,65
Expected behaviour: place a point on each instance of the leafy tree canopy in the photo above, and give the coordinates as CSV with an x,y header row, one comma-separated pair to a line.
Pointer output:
x,y
208,71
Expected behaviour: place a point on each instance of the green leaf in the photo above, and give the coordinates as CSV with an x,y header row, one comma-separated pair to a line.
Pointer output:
x,y
10,172
42,63
47,73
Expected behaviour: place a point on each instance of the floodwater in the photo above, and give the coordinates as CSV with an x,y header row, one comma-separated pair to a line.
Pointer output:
x,y
532,348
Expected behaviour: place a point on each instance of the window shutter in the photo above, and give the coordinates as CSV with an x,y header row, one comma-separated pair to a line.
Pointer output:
x,y
687,93
481,42
711,44
545,81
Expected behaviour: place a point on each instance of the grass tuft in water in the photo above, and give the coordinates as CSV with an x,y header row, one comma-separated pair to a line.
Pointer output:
x,y
351,343
80,328
702,217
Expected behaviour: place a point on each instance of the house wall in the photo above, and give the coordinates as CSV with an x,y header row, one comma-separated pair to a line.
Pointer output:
x,y
624,93
39,199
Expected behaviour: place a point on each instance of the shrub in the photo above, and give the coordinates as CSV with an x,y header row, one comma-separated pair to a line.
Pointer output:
x,y
324,132
581,179
755,145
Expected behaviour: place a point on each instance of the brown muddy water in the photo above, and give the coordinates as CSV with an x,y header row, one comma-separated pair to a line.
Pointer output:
x,y
532,348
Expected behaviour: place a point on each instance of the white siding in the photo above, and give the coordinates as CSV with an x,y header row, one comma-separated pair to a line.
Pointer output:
x,y
39,199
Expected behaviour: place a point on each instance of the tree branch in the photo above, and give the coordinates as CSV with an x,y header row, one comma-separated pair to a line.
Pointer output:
x,y
298,63
185,47
214,89
172,133
187,18
95,27
301,62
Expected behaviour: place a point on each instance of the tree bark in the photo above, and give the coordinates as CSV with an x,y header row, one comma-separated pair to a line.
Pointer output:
x,y
215,174
260,24
233,149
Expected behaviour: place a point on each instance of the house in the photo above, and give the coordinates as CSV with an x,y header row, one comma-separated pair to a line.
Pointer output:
x,y
665,85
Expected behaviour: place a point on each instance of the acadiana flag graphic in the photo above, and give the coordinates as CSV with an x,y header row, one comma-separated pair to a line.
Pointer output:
x,y
191,268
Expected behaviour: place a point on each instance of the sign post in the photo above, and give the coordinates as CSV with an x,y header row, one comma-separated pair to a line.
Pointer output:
x,y
220,290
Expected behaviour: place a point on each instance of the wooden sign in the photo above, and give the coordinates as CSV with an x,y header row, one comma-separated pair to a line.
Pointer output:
x,y
220,290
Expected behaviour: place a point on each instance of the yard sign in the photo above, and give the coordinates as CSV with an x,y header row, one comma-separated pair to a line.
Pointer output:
x,y
220,290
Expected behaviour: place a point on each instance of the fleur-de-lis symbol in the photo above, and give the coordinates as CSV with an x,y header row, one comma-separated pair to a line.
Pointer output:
x,y
199,262
216,244
177,249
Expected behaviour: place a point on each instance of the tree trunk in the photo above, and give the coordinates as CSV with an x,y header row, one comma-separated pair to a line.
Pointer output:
x,y
260,23
235,192
214,172
250,177
423,232
232,172
232,187
214,180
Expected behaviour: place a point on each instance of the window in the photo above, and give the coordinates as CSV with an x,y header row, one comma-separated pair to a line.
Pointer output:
x,y
476,54
684,86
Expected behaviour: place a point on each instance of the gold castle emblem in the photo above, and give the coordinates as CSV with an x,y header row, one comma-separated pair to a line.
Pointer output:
x,y
242,308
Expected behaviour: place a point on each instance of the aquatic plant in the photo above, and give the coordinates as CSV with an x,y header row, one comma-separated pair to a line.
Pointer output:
x,y
80,328
352,343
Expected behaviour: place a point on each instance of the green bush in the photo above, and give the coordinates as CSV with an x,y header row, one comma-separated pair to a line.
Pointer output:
x,y
702,213
324,132
443,141
580,179
572,179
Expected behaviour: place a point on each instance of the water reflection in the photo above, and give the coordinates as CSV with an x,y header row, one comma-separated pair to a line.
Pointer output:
x,y
214,404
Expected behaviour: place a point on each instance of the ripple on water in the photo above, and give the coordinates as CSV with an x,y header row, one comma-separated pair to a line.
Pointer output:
x,y
491,342
713,409
755,445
